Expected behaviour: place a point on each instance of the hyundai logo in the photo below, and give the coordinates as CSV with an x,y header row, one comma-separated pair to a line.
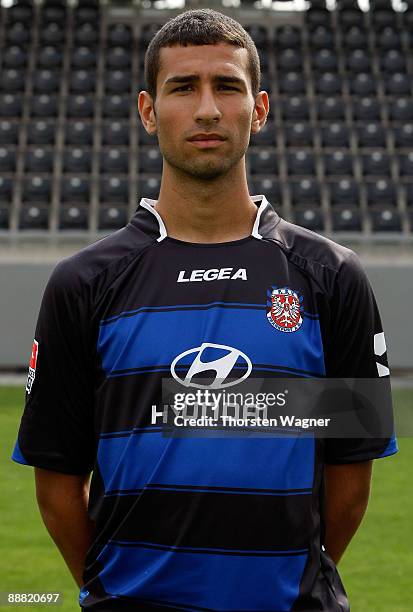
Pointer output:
x,y
196,361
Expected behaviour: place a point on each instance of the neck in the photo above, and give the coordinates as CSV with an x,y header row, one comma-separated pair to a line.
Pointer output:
x,y
211,210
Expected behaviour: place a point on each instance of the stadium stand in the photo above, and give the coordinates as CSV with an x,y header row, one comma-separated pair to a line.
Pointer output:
x,y
335,155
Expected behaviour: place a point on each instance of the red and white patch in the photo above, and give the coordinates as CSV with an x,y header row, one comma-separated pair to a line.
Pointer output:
x,y
284,309
32,366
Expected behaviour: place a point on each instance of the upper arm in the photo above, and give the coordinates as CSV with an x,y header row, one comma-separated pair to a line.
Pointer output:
x,y
348,484
57,429
54,488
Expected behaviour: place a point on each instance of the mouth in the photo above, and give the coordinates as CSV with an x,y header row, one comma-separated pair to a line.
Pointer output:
x,y
207,143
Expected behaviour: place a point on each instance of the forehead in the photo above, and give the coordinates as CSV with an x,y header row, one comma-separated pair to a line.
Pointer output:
x,y
205,60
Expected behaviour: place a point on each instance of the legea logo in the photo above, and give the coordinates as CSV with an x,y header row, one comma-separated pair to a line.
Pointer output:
x,y
198,360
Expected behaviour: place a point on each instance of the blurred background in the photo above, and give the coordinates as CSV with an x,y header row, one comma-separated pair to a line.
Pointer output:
x,y
335,156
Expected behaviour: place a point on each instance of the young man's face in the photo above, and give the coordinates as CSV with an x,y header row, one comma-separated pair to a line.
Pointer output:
x,y
204,104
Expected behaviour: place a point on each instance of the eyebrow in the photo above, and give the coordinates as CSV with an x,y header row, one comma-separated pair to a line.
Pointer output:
x,y
219,78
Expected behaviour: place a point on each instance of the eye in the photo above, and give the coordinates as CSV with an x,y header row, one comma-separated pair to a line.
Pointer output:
x,y
183,87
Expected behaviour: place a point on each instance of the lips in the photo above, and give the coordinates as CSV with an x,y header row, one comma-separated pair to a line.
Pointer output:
x,y
204,137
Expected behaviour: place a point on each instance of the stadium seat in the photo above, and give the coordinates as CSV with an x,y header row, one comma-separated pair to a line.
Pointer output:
x,y
349,16
381,191
398,84
7,159
371,134
335,134
18,34
324,60
330,107
262,161
328,83
44,105
403,135
75,189
80,106
366,108
338,163
388,38
9,132
46,81
112,217
310,217
86,14
84,57
400,109
12,80
150,160
86,34
115,160
287,36
116,106
291,83
406,164
120,35
385,219
53,14
355,38
321,38
376,163
82,81
344,191
317,14
79,133
14,57
11,105
49,57
73,217
294,107
393,61
148,187
298,134
20,12
118,58
116,81
34,217
4,216
408,190
358,60
41,132
78,160
258,34
268,186
346,218
148,31
52,34
6,189
305,191
37,188
39,159
115,133
290,60
266,137
301,162
363,84
114,189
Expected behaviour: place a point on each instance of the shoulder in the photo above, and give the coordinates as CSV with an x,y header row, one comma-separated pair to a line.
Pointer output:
x,y
100,261
325,260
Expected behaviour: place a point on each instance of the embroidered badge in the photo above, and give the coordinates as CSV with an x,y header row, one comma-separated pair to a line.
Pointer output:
x,y
284,309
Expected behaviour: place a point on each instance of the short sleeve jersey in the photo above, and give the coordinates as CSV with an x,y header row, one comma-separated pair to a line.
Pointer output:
x,y
197,524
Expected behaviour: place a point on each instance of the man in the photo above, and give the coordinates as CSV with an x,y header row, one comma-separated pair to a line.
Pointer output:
x,y
198,523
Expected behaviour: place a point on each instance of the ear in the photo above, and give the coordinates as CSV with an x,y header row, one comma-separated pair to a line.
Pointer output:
x,y
261,108
146,110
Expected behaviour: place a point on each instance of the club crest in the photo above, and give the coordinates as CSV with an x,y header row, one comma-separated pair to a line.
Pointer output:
x,y
284,309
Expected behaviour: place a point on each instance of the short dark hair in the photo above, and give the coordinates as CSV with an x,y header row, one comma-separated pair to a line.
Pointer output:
x,y
200,27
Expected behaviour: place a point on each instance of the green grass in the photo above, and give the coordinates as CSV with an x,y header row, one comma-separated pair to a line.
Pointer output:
x,y
377,568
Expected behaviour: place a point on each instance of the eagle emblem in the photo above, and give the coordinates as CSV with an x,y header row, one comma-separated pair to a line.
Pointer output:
x,y
284,309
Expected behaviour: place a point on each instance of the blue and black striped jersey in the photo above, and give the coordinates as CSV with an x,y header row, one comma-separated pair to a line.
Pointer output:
x,y
198,523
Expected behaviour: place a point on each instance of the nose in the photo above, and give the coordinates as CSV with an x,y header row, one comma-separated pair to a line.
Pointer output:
x,y
207,109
